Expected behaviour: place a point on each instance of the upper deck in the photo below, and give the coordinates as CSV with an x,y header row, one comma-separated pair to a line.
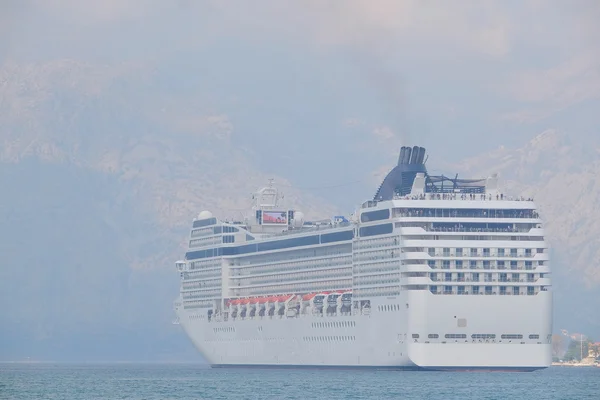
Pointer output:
x,y
408,193
466,200
477,207
418,232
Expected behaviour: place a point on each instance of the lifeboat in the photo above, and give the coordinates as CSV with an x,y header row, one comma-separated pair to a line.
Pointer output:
x,y
316,303
332,297
233,304
308,297
284,298
306,302
281,301
332,303
252,305
243,307
262,303
271,307
293,306
346,303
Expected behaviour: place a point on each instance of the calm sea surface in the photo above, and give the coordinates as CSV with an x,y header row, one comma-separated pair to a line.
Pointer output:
x,y
171,381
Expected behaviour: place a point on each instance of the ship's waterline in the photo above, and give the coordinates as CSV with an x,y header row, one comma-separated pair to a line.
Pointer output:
x,y
433,273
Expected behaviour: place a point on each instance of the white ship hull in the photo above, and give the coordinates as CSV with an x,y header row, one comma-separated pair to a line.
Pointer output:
x,y
383,339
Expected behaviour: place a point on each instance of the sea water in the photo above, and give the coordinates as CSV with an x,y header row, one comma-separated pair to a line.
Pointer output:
x,y
176,381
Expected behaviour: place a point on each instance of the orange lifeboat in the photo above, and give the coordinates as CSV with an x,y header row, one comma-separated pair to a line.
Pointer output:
x,y
284,298
309,296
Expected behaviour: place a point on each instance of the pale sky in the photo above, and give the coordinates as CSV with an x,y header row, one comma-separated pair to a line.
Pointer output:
x,y
330,81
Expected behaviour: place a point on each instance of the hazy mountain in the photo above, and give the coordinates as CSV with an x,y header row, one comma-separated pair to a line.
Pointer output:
x,y
102,169
563,176
101,177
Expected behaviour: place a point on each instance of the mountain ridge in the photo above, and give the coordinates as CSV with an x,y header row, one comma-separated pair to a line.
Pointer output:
x,y
106,173
562,176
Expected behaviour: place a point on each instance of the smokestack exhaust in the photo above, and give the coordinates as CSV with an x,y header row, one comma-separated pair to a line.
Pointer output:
x,y
401,156
421,155
415,154
407,155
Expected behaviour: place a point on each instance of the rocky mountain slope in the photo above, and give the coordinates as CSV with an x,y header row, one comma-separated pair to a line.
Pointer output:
x,y
102,173
562,173
102,169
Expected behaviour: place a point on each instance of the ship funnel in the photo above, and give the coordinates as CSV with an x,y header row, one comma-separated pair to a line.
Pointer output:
x,y
401,156
418,155
407,155
421,155
401,179
411,155
415,154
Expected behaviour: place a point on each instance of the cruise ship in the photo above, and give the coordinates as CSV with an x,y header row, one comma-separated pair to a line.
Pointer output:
x,y
434,272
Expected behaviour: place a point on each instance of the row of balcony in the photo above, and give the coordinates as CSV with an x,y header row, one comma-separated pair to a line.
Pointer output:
x,y
508,280
419,255
291,267
425,280
308,276
484,255
421,267
451,292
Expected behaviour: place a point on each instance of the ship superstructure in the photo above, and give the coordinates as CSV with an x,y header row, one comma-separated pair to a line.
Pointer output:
x,y
434,273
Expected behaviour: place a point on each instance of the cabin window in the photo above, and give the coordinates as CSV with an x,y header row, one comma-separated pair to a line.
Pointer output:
x,y
376,230
455,336
511,336
375,215
204,222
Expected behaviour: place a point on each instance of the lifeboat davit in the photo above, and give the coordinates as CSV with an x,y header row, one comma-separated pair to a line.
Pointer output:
x,y
283,299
